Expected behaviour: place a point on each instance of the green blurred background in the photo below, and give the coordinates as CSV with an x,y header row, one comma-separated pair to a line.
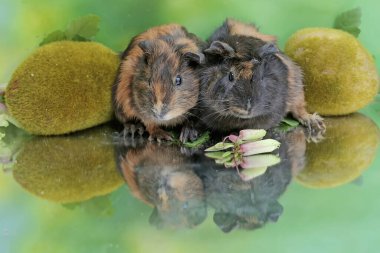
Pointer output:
x,y
24,23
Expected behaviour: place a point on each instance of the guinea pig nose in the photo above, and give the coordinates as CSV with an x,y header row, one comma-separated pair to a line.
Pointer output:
x,y
156,112
249,106
159,113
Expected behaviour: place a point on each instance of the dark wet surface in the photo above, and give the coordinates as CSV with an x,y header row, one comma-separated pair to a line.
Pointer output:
x,y
92,192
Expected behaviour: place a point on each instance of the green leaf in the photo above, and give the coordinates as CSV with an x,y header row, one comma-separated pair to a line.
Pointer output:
x,y
286,125
215,155
352,30
79,38
220,146
198,142
349,21
283,128
227,159
11,140
85,27
290,122
2,94
54,36
227,153
82,29
5,119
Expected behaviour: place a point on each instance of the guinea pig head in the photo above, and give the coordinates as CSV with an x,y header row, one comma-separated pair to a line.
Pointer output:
x,y
167,85
241,80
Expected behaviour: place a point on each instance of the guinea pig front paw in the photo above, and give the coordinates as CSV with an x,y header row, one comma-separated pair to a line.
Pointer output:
x,y
160,135
313,122
188,133
316,128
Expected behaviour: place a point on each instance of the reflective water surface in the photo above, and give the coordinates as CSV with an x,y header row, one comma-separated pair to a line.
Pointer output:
x,y
92,192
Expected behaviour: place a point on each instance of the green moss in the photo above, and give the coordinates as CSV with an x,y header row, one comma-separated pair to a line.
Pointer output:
x,y
63,87
348,149
339,74
68,169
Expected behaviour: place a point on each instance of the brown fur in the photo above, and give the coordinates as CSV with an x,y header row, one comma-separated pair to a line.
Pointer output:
x,y
245,70
296,141
130,179
239,28
160,176
295,85
296,99
148,91
168,158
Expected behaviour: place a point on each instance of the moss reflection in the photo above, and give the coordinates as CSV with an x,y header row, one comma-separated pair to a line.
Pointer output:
x,y
68,169
348,149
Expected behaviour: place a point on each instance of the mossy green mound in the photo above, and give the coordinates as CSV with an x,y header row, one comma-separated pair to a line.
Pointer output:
x,y
68,169
340,76
63,87
349,147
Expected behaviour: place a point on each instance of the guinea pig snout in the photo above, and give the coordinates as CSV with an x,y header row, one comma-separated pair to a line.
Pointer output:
x,y
159,111
244,110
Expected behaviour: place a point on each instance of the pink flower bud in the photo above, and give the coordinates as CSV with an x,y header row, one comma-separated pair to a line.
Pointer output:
x,y
258,161
249,174
233,138
258,147
252,134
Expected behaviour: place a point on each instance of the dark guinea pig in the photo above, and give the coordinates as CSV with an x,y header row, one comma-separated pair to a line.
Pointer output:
x,y
157,81
247,82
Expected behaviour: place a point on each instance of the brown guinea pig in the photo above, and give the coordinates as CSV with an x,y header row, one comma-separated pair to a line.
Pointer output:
x,y
157,81
248,82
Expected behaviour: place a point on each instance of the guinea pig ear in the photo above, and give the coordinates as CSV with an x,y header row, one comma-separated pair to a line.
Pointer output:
x,y
146,46
198,58
220,48
267,49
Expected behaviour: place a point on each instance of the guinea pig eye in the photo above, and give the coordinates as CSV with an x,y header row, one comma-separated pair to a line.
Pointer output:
x,y
231,77
178,80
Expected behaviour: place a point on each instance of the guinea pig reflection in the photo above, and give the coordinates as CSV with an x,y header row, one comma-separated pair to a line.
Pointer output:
x,y
161,176
250,205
